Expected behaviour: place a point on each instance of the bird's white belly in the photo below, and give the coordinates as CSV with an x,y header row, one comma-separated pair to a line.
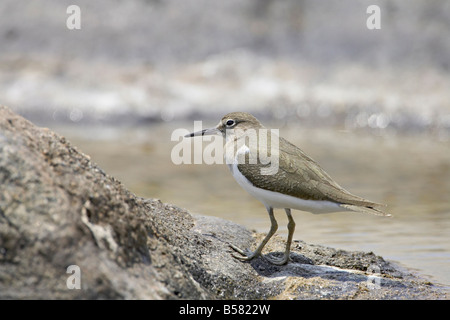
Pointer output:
x,y
278,200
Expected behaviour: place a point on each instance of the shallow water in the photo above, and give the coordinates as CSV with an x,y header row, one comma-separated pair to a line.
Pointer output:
x,y
411,174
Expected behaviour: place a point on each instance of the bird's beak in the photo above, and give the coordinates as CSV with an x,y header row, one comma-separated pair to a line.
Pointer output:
x,y
205,132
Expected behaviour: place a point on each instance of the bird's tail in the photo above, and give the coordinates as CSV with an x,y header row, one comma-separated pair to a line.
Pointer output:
x,y
375,208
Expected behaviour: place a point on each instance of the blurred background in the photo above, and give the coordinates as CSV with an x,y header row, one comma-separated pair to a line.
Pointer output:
x,y
371,106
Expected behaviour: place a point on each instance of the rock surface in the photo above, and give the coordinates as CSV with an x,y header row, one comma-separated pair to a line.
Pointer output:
x,y
57,209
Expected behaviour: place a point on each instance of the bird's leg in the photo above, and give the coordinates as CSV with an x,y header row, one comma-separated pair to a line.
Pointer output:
x,y
247,255
291,228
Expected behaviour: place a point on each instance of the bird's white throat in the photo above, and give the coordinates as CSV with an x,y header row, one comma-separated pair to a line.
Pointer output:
x,y
264,152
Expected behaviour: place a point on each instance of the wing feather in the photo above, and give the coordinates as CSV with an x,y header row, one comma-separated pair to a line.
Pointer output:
x,y
300,176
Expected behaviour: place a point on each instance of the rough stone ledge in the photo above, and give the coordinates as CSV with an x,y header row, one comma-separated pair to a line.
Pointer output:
x,y
57,209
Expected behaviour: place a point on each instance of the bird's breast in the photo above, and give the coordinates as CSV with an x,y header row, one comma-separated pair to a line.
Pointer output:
x,y
274,199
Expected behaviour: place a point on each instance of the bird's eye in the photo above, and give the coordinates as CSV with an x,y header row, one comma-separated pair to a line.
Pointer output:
x,y
230,123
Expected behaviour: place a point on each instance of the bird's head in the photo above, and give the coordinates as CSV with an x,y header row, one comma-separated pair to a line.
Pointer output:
x,y
229,124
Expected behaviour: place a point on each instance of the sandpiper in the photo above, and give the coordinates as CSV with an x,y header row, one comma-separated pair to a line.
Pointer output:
x,y
298,183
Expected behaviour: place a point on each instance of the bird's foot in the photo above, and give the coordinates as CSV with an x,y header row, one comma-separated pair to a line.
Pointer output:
x,y
244,255
278,261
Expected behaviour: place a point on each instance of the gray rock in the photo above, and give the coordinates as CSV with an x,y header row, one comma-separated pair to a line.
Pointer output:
x,y
58,209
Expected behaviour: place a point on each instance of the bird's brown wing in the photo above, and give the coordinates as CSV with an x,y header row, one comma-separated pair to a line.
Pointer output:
x,y
300,176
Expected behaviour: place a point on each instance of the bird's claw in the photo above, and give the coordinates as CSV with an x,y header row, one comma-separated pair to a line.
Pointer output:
x,y
244,255
278,261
